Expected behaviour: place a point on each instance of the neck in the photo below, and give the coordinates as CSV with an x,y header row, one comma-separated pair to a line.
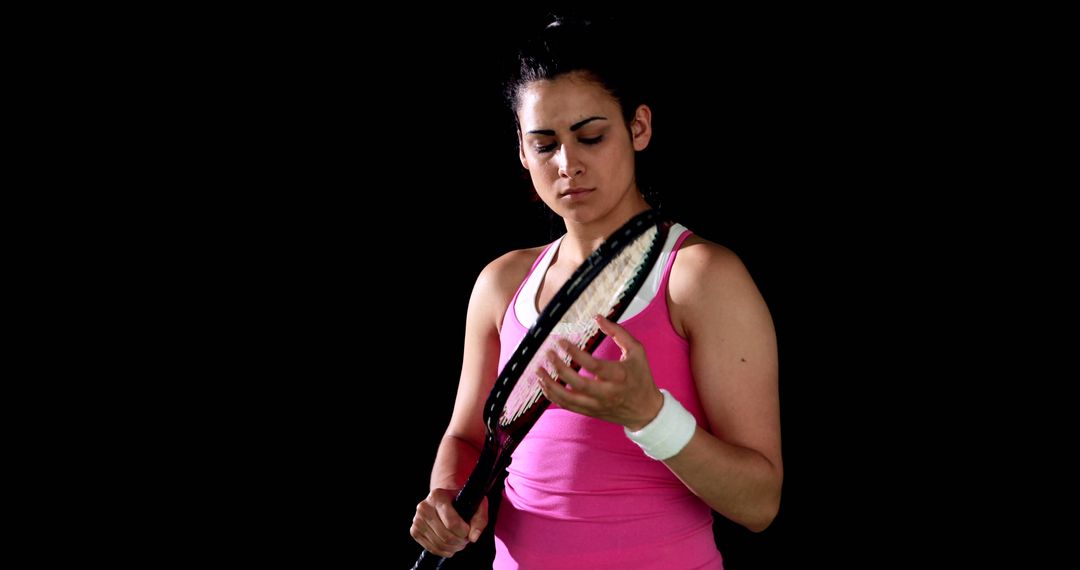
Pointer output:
x,y
583,238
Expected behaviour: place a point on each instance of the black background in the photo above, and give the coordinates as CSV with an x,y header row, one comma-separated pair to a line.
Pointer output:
x,y
370,175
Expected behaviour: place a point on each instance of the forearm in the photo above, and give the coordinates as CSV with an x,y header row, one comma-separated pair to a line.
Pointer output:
x,y
735,481
453,463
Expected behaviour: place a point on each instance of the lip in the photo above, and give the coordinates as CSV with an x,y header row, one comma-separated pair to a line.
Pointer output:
x,y
571,192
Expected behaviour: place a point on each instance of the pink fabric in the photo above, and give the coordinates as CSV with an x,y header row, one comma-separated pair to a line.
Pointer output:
x,y
579,494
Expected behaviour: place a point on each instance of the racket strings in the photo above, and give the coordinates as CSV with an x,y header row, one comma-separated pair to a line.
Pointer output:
x,y
578,325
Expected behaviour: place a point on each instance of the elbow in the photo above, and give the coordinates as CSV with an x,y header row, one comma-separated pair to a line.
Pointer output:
x,y
762,521
765,514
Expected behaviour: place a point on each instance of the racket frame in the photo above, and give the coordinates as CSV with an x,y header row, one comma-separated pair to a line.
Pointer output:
x,y
500,441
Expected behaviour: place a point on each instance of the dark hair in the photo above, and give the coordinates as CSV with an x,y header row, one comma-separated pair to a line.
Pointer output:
x,y
598,48
595,48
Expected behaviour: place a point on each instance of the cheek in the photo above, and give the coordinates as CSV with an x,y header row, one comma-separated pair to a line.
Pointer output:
x,y
545,170
542,180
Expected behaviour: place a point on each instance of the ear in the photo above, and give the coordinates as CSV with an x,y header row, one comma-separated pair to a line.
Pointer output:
x,y
521,151
641,127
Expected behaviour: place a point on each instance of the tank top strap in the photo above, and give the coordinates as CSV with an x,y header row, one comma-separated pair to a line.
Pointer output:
x,y
671,261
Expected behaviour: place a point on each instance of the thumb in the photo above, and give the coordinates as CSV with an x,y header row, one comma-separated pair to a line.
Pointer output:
x,y
479,521
618,334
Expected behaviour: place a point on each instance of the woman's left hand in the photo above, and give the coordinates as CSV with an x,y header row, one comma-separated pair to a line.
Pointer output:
x,y
622,392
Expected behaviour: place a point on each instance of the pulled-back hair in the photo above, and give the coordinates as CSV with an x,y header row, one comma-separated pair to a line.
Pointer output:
x,y
601,51
596,48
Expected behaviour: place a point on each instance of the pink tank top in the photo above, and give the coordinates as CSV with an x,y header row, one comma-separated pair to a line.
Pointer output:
x,y
579,494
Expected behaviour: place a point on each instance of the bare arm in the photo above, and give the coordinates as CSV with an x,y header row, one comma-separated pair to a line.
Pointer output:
x,y
735,467
436,526
461,443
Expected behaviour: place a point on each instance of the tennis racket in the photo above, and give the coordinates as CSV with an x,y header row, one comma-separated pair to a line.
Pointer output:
x,y
603,285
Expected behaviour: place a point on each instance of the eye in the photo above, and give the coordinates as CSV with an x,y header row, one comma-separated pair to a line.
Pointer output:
x,y
545,148
594,140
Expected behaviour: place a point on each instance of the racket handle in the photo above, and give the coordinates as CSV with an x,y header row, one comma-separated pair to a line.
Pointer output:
x,y
476,487
465,504
428,561
469,497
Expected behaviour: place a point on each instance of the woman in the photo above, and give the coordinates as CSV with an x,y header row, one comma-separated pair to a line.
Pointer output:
x,y
676,413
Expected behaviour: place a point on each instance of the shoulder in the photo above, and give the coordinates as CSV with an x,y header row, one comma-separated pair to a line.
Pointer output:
x,y
708,280
702,265
499,280
508,270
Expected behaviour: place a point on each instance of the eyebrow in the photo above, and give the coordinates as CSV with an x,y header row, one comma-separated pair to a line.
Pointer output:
x,y
573,127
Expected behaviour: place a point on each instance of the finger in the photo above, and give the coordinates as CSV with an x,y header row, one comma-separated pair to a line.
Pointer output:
x,y
436,521
563,396
446,540
623,339
424,533
586,360
577,382
455,526
433,544
479,521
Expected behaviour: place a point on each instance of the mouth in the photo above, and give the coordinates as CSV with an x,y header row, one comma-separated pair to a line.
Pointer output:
x,y
569,192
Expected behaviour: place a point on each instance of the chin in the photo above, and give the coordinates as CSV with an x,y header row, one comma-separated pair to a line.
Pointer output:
x,y
580,215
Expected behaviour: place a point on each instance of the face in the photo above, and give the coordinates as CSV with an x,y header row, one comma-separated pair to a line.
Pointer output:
x,y
578,148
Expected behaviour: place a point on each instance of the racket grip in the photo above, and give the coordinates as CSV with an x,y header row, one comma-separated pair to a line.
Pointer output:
x,y
428,561
478,484
467,501
468,498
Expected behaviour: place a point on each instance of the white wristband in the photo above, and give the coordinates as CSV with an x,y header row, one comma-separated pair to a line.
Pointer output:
x,y
669,431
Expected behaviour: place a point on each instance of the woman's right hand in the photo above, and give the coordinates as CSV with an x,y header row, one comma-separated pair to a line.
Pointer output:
x,y
439,528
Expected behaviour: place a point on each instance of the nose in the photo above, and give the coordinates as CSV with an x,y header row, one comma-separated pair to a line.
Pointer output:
x,y
570,166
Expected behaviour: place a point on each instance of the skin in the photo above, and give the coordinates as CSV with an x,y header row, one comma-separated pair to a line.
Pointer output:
x,y
573,136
